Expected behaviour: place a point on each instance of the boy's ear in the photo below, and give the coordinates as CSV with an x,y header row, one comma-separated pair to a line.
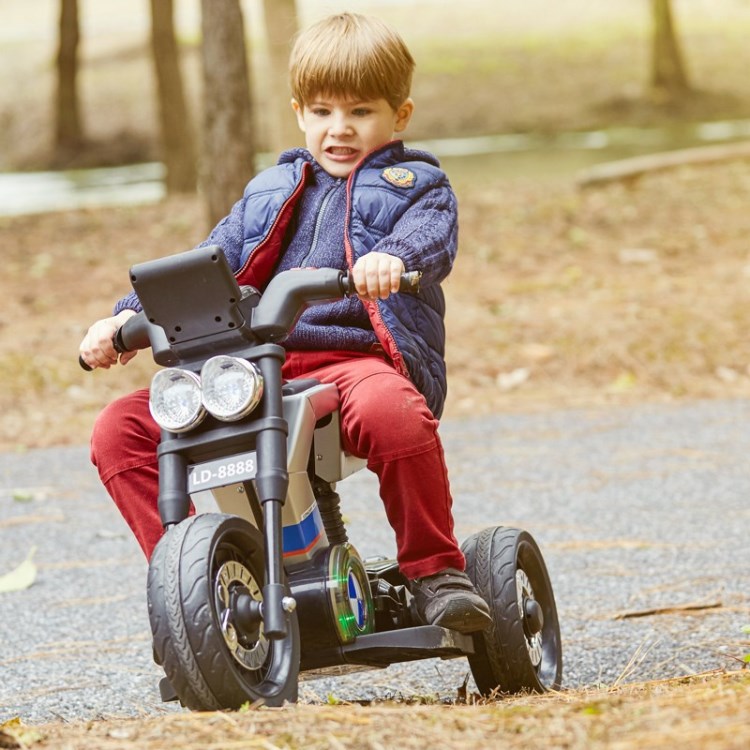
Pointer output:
x,y
297,107
403,115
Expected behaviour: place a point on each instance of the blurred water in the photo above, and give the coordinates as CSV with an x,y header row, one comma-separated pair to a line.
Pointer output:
x,y
464,159
40,192
536,155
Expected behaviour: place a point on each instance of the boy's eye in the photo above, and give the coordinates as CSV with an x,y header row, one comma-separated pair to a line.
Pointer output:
x,y
320,111
361,112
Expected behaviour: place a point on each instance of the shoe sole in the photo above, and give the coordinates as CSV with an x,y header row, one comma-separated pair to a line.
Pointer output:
x,y
465,618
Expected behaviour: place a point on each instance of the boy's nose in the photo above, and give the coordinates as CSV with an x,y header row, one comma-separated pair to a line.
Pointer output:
x,y
339,125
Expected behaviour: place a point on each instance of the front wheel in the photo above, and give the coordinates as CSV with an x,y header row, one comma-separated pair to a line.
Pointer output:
x,y
196,571
521,651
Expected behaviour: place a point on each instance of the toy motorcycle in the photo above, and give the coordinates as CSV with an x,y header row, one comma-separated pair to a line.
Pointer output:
x,y
261,586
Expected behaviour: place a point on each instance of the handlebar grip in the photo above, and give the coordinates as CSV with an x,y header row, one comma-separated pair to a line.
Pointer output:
x,y
83,365
117,341
409,283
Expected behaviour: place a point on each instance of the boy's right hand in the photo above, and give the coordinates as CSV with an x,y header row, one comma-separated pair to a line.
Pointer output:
x,y
97,350
376,275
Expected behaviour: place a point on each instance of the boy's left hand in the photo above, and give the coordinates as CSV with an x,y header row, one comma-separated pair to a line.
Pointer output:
x,y
376,275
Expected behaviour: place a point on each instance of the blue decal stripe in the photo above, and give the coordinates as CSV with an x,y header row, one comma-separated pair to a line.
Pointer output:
x,y
301,536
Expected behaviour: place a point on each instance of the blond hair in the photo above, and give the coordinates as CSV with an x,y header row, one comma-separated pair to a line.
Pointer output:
x,y
351,56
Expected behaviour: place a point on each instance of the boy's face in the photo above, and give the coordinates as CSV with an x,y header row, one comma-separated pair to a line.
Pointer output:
x,y
339,132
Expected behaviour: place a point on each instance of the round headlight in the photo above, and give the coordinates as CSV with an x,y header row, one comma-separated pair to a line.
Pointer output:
x,y
232,387
175,400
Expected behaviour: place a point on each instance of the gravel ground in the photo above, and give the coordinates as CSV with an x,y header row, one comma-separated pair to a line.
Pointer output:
x,y
635,509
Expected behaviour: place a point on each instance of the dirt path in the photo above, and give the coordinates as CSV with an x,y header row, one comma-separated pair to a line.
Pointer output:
x,y
641,514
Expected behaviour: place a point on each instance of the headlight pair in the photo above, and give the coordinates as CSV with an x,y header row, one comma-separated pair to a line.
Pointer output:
x,y
228,388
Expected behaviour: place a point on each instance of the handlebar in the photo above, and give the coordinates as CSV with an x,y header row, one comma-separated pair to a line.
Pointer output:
x,y
284,299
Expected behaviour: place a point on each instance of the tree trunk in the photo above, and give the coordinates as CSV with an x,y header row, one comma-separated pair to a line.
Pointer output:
x,y
668,74
281,26
68,127
176,132
228,153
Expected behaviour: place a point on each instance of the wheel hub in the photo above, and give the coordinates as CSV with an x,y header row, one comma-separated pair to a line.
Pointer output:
x,y
249,649
534,617
531,616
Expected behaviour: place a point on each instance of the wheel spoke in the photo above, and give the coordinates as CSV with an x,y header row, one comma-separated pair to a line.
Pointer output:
x,y
525,598
231,577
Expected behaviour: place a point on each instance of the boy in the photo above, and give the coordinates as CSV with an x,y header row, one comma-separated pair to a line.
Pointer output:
x,y
356,199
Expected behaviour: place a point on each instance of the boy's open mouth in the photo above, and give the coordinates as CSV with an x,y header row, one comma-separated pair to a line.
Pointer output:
x,y
341,151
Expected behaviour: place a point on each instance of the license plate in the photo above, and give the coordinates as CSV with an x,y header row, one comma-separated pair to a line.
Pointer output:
x,y
222,471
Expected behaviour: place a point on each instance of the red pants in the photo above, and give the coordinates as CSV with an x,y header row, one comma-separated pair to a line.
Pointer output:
x,y
384,419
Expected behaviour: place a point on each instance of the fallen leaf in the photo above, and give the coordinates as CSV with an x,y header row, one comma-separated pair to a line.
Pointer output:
x,y
27,494
109,534
625,381
727,374
7,741
120,734
535,352
13,734
637,256
507,381
20,578
20,520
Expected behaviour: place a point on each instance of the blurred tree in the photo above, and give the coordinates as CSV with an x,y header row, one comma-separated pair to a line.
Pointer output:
x,y
668,75
281,26
176,132
68,126
228,151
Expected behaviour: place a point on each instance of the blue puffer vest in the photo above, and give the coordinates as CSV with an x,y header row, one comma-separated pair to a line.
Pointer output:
x,y
409,327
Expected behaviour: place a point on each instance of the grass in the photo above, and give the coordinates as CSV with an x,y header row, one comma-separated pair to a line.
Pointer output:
x,y
706,711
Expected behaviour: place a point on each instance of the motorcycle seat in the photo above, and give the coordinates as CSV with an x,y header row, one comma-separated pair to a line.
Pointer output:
x,y
292,387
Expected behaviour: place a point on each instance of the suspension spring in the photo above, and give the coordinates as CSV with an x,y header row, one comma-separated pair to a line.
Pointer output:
x,y
329,504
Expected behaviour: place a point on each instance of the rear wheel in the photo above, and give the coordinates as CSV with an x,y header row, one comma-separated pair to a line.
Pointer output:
x,y
198,568
521,650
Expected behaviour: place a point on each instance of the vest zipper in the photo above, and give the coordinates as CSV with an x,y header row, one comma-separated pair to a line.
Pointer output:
x,y
319,221
372,308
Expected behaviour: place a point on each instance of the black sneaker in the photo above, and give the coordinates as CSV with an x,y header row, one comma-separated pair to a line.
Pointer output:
x,y
449,599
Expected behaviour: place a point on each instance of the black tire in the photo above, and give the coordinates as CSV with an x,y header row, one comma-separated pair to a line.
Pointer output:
x,y
506,567
184,604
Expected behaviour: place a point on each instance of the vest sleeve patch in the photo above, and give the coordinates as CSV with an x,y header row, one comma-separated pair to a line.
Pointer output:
x,y
399,177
